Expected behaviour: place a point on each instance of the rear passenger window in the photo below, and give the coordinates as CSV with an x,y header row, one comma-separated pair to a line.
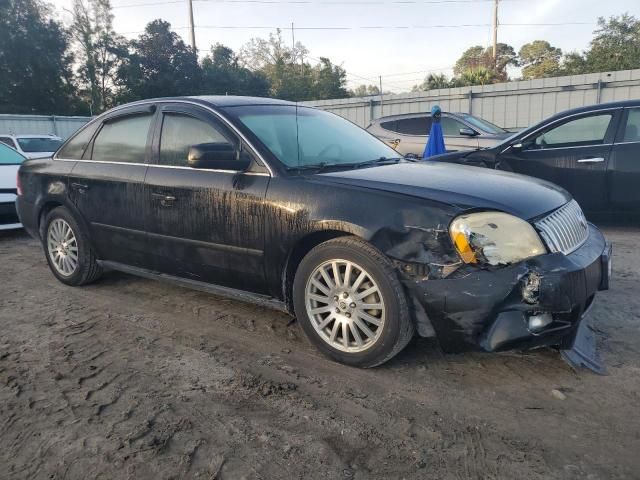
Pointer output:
x,y
180,132
414,126
123,140
632,130
76,146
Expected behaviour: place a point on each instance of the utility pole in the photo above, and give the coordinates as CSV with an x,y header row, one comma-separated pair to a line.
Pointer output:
x,y
495,30
380,78
191,27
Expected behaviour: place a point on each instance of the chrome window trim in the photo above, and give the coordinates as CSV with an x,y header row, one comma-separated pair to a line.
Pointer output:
x,y
627,143
567,148
262,174
188,102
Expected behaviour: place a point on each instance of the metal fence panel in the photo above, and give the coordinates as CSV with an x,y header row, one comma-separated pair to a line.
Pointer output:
x,y
511,105
41,124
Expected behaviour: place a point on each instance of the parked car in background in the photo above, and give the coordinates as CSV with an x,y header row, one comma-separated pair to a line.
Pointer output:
x,y
408,133
10,161
593,152
32,146
299,209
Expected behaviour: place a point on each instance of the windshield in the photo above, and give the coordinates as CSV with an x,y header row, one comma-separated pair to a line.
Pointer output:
x,y
39,144
8,156
310,138
482,124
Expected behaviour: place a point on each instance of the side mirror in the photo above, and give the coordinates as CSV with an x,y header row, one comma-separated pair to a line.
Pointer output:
x,y
468,132
217,156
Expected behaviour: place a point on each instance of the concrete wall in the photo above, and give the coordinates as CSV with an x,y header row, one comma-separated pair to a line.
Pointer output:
x,y
510,105
41,124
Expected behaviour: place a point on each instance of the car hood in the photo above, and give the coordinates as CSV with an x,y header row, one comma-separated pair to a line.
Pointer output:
x,y
459,185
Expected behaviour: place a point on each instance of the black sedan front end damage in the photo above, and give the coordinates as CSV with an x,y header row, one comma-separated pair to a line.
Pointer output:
x,y
540,301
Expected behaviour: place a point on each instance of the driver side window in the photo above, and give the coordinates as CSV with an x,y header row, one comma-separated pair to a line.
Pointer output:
x,y
575,133
179,133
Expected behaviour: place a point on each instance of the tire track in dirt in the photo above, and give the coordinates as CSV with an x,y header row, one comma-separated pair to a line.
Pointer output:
x,y
177,383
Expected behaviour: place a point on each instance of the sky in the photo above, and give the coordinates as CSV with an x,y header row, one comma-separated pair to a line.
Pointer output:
x,y
400,40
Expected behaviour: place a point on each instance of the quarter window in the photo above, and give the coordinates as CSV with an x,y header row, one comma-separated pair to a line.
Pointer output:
x,y
76,146
582,131
632,130
123,140
180,132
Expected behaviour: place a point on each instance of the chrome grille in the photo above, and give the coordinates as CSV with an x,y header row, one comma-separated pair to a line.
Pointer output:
x,y
564,229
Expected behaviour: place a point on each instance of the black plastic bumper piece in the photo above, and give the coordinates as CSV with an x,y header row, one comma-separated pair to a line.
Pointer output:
x,y
488,309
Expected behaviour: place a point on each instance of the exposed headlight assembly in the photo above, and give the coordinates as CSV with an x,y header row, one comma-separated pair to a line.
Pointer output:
x,y
494,238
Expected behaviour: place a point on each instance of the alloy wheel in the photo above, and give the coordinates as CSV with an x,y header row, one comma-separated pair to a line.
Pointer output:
x,y
62,247
345,305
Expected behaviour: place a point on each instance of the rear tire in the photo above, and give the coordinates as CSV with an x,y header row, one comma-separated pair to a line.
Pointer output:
x,y
351,304
68,250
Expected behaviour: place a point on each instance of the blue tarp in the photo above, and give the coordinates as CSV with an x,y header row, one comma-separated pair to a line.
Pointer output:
x,y
435,144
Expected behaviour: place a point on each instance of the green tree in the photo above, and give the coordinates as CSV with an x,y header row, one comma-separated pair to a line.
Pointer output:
x,y
477,57
479,76
329,80
159,64
574,63
616,44
434,82
99,51
35,64
364,91
539,59
223,75
290,76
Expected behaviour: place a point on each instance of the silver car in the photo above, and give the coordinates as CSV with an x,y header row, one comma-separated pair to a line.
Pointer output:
x,y
408,133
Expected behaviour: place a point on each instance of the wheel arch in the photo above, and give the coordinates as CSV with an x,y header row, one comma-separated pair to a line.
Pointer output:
x,y
299,250
49,204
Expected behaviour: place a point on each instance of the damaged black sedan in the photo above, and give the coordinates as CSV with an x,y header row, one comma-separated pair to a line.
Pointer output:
x,y
298,209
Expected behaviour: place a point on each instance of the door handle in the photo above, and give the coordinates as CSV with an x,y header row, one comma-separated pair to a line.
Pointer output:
x,y
165,199
591,160
81,187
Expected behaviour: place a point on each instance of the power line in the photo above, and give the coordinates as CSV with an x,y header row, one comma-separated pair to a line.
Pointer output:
x,y
390,27
318,2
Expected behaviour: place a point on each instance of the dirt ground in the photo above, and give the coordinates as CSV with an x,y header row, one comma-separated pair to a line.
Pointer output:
x,y
131,378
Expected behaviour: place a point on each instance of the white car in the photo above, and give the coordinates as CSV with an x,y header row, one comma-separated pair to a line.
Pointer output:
x,y
32,146
10,161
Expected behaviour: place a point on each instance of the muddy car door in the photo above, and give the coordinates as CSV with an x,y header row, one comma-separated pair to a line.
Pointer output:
x,y
572,152
204,224
106,185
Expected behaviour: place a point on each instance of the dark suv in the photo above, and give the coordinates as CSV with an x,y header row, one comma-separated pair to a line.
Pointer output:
x,y
298,209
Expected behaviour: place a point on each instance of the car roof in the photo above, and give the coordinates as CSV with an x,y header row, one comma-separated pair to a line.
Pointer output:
x,y
597,106
215,101
414,114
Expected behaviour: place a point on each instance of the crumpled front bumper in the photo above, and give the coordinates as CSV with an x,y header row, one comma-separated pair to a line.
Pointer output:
x,y
491,309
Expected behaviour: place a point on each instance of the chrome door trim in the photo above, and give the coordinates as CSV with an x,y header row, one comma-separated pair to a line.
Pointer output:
x,y
189,102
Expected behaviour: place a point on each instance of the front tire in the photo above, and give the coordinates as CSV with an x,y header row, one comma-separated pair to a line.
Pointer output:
x,y
68,249
351,304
